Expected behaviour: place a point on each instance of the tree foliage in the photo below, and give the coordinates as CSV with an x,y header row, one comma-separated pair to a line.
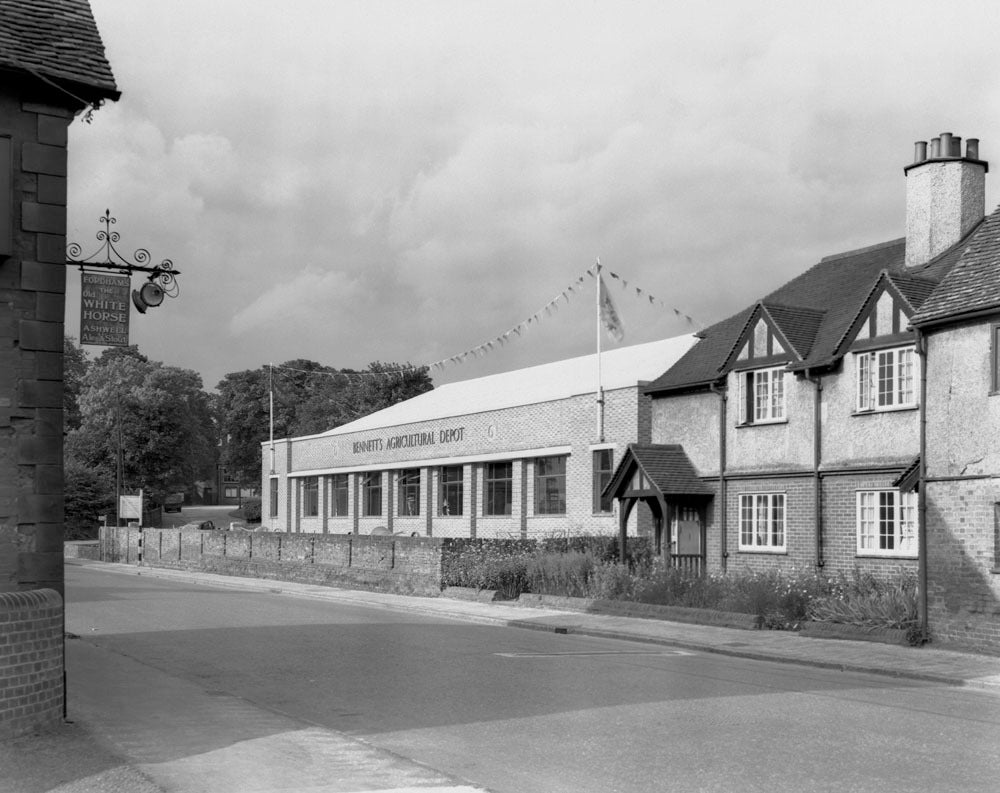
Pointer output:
x,y
157,416
308,399
75,365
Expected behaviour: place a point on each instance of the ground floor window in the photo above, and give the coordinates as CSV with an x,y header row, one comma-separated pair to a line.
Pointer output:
x,y
409,492
887,523
338,496
450,496
273,499
499,487
371,494
604,465
550,486
762,522
310,497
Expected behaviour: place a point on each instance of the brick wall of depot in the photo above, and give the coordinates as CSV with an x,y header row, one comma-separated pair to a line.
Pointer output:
x,y
402,565
502,434
31,661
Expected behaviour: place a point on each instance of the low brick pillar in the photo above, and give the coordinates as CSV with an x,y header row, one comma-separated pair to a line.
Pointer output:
x,y
31,661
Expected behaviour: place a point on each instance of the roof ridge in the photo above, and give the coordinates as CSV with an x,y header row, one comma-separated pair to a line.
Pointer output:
x,y
878,246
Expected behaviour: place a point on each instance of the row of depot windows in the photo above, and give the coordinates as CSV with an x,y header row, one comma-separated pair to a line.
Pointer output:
x,y
498,489
886,380
886,522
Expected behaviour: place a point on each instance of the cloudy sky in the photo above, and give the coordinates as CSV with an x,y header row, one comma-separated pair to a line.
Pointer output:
x,y
404,181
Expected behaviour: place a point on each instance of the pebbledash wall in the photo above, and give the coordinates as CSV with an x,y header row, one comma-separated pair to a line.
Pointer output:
x,y
539,424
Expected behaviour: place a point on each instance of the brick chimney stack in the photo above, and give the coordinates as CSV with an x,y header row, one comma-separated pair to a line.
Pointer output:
x,y
945,195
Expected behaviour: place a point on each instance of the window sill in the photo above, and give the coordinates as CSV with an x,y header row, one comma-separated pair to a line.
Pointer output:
x,y
880,411
768,551
544,515
873,555
448,517
774,423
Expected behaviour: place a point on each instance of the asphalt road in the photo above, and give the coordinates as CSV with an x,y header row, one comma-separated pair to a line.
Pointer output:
x,y
517,710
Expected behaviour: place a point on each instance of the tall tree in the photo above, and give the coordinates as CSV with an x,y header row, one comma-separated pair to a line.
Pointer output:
x,y
75,364
155,419
308,398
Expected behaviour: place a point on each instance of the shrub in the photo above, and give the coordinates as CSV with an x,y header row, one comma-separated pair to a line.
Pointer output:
x,y
251,510
864,600
604,548
500,565
566,574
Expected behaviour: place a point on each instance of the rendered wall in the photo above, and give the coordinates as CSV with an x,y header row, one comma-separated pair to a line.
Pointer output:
x,y
963,488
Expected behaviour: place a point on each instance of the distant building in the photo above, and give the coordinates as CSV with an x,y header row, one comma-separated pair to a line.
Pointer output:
x,y
856,409
513,455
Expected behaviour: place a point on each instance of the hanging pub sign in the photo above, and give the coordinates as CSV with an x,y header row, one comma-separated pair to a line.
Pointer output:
x,y
104,309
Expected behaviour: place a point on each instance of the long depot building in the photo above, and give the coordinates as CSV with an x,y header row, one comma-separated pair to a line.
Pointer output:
x,y
523,454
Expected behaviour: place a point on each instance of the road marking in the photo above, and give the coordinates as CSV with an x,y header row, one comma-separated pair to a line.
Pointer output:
x,y
587,654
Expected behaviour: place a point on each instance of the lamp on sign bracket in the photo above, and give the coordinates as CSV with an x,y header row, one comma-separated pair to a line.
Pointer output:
x,y
161,279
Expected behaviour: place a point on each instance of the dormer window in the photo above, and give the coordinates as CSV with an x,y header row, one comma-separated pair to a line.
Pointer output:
x,y
762,395
887,379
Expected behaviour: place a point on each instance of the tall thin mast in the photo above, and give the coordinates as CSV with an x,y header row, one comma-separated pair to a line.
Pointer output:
x,y
600,387
270,398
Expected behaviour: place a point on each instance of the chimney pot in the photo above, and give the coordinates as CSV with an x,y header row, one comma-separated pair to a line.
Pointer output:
x,y
945,145
919,151
935,148
972,148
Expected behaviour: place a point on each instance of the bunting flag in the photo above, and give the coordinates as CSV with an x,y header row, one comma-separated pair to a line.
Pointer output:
x,y
610,318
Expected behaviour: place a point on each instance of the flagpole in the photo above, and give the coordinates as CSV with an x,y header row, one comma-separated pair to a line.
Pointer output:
x,y
270,400
600,387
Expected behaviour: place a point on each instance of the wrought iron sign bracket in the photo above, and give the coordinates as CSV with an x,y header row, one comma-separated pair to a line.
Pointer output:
x,y
161,279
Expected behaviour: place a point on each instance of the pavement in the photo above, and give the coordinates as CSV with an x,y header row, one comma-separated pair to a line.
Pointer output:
x,y
150,736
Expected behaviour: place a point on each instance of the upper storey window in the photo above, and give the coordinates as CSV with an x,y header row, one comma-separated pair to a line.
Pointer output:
x,y
762,395
887,379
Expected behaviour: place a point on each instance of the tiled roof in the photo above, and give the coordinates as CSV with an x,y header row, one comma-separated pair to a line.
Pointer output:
x,y
799,325
837,286
59,40
620,368
666,465
973,285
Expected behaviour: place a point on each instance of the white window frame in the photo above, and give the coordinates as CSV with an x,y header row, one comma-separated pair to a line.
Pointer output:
x,y
767,388
887,379
759,512
886,523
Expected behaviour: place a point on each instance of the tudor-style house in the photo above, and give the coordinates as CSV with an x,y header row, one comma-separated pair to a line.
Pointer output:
x,y
797,432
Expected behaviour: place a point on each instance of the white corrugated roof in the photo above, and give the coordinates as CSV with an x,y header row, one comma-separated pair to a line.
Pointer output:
x,y
620,368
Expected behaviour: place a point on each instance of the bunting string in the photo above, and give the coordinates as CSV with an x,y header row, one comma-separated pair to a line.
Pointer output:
x,y
553,305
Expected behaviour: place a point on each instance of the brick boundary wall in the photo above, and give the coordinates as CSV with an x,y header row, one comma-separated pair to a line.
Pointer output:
x,y
400,565
31,661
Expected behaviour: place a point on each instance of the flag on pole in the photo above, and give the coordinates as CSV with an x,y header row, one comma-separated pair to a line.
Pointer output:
x,y
610,317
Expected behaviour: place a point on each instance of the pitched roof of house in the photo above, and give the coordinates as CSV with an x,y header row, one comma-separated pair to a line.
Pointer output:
x,y
816,310
620,368
973,284
57,40
667,466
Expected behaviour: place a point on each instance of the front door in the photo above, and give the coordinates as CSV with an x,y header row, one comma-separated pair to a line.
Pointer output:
x,y
687,537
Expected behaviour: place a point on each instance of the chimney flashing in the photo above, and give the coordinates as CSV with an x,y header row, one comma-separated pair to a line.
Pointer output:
x,y
911,166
